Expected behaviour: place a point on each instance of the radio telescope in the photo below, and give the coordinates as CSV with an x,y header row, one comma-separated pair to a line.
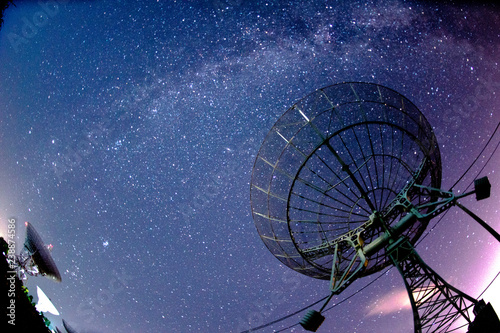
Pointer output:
x,y
68,328
345,183
44,304
35,258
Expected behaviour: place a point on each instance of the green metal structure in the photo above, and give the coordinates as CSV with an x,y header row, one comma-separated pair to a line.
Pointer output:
x,y
345,183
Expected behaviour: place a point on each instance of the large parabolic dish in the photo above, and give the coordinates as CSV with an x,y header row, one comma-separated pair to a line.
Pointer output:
x,y
330,162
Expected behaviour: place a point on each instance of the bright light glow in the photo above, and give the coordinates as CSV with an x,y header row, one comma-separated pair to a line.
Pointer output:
x,y
3,228
491,295
391,303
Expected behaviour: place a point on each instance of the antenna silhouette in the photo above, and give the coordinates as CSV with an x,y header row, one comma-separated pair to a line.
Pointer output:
x,y
35,259
345,184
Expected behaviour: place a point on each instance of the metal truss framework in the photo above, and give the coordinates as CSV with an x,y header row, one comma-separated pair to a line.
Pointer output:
x,y
436,304
345,183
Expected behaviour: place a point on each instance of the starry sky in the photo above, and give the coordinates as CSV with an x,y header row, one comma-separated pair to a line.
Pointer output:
x,y
129,129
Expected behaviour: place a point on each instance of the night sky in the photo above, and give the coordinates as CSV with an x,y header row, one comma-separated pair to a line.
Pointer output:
x,y
129,129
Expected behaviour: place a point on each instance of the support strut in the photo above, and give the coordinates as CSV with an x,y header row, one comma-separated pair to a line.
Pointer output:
x,y
436,304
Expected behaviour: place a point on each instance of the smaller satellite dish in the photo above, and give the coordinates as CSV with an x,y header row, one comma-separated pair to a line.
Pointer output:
x,y
44,303
36,258
68,328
